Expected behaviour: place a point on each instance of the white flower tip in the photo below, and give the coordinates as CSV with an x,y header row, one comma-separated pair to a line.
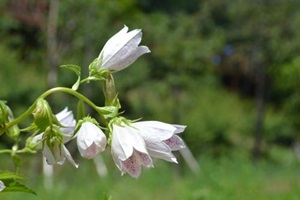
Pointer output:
x,y
179,128
174,160
2,186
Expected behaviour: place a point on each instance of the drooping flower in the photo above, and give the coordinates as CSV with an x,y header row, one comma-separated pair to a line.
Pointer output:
x,y
129,150
90,140
161,138
2,186
54,149
121,50
57,154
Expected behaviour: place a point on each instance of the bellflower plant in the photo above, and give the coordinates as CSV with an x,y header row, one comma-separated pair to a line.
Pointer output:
x,y
90,140
133,143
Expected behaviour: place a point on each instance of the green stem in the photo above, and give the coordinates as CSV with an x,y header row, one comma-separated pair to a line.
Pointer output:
x,y
49,92
25,150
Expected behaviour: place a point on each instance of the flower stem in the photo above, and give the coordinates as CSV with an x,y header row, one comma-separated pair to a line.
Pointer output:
x,y
52,91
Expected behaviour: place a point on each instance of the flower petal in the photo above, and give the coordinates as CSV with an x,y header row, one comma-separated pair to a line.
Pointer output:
x,y
179,128
154,130
122,50
128,138
90,140
66,154
175,143
53,157
160,150
133,164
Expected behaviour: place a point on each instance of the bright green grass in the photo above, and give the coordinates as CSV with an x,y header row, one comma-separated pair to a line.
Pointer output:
x,y
226,178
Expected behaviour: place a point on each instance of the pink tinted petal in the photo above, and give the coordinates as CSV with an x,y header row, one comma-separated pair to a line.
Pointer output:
x,y
132,166
90,152
144,159
175,143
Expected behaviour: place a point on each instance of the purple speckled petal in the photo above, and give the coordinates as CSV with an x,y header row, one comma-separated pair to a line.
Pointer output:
x,y
175,143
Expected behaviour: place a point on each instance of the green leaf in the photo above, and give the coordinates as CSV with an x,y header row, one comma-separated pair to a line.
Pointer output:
x,y
14,186
10,175
77,70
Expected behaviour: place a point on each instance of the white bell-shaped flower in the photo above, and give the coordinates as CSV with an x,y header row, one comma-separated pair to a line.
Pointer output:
x,y
129,150
90,140
161,138
121,50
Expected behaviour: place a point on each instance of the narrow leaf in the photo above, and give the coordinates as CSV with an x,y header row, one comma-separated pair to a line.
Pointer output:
x,y
77,70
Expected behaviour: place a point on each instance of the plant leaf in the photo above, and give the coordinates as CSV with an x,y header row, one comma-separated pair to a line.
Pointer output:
x,y
77,70
10,175
14,186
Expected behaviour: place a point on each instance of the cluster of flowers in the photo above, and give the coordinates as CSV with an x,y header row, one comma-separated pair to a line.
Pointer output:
x,y
133,143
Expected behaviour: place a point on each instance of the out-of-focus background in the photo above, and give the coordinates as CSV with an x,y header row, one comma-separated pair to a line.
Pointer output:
x,y
229,70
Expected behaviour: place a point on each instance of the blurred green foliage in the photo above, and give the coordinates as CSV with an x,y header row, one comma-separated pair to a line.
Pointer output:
x,y
233,177
201,71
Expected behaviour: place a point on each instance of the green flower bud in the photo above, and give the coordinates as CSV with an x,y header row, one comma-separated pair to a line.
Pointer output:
x,y
6,116
43,116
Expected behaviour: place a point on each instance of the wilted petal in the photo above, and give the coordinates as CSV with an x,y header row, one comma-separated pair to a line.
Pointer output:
x,y
67,155
58,155
2,186
54,156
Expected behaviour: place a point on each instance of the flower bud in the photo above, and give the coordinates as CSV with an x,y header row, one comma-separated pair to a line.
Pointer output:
x,y
43,115
90,140
6,116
